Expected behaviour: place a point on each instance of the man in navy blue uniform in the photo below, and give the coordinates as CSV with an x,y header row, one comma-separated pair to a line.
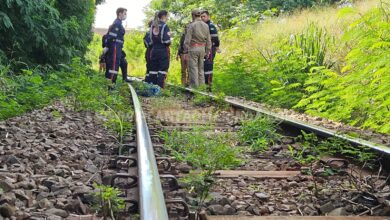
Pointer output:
x,y
209,63
159,40
103,60
148,47
115,41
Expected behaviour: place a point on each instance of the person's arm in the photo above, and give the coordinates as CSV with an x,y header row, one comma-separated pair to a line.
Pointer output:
x,y
208,44
181,44
187,40
166,38
147,41
115,29
214,35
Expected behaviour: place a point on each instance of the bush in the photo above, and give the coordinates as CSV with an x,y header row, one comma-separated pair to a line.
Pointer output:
x,y
36,88
45,32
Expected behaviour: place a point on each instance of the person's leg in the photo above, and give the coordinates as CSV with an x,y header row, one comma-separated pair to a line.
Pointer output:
x,y
164,66
193,67
123,67
154,65
147,59
207,70
186,72
201,79
113,63
183,70
210,77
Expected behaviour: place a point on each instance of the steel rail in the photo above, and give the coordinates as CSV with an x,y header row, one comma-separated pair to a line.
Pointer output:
x,y
151,202
296,123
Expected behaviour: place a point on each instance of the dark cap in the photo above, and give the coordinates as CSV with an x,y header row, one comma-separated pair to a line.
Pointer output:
x,y
196,12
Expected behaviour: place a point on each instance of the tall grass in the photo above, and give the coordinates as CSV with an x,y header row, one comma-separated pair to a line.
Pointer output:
x,y
263,35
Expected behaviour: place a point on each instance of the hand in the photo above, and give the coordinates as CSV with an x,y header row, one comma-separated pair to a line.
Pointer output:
x,y
186,57
206,57
105,50
218,50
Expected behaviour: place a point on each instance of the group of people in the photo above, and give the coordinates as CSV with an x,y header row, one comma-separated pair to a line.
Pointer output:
x,y
199,44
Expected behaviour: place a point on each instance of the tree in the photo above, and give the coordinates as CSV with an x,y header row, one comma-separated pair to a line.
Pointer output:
x,y
45,31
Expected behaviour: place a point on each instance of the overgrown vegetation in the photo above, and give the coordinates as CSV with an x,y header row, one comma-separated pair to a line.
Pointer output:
x,y
82,88
311,149
332,72
206,153
108,202
230,13
259,133
44,32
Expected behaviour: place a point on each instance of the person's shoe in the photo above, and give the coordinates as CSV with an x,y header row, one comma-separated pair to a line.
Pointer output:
x,y
128,79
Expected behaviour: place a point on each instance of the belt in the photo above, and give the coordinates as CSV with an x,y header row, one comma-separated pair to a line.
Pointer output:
x,y
198,45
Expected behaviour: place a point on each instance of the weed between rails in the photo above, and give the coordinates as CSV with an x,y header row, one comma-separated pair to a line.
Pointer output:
x,y
206,153
107,201
259,133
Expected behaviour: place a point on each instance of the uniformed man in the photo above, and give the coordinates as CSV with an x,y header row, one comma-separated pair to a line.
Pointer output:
x,y
159,39
115,41
147,54
183,60
197,46
103,59
209,63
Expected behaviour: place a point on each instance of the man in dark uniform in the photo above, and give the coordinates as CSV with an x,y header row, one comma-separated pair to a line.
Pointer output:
x,y
209,63
160,40
115,41
148,45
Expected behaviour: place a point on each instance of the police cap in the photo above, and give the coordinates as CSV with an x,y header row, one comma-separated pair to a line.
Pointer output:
x,y
196,12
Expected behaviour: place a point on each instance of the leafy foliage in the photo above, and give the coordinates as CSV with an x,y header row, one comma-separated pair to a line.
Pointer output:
x,y
35,88
229,13
298,70
258,133
45,32
108,201
202,151
311,148
361,95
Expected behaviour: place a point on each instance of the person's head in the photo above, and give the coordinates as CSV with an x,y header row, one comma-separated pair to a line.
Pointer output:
x,y
162,15
205,16
121,13
196,13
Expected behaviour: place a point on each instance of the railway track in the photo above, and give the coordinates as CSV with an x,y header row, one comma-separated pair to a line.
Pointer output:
x,y
265,184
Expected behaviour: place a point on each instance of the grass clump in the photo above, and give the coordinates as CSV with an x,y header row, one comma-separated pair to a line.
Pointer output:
x,y
204,152
259,133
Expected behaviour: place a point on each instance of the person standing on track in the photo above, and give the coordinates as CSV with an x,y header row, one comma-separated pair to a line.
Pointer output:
x,y
103,58
115,43
183,60
148,47
159,40
209,63
197,46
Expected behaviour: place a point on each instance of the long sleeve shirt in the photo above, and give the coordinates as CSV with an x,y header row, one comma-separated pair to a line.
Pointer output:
x,y
198,33
214,34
